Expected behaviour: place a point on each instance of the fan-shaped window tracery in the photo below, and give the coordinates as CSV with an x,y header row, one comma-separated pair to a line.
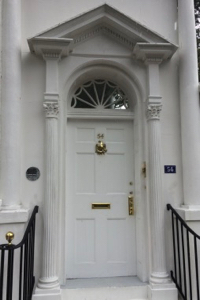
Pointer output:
x,y
100,94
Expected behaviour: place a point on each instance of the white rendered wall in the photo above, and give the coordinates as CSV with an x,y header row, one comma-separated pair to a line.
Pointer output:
x,y
171,132
171,146
33,126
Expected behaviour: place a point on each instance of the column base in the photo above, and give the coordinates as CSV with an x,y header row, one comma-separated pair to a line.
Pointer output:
x,y
160,278
162,291
47,294
48,283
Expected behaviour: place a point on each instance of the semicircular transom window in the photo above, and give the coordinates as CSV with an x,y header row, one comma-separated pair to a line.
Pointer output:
x,y
100,94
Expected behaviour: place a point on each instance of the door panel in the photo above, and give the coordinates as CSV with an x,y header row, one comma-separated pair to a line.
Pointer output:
x,y
100,242
85,241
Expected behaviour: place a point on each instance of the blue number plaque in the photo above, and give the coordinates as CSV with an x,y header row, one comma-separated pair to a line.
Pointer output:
x,y
170,169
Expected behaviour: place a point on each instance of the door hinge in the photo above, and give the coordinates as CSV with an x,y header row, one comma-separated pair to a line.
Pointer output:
x,y
144,169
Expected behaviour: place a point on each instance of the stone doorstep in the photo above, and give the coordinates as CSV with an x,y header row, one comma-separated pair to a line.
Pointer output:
x,y
105,293
118,288
113,288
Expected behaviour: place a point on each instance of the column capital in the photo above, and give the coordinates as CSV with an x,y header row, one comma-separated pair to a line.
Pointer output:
x,y
51,109
153,111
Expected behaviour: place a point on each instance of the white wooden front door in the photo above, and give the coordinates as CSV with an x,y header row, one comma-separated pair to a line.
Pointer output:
x,y
100,242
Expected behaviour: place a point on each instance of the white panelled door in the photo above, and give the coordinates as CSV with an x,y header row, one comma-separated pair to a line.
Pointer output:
x,y
100,242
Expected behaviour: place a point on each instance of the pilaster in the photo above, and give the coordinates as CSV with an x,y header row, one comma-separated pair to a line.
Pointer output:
x,y
159,274
160,283
51,52
153,111
49,278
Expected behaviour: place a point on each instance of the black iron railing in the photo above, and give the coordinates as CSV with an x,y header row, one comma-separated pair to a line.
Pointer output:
x,y
186,244
18,259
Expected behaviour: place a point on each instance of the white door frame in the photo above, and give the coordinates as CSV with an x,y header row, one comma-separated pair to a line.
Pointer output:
x,y
141,203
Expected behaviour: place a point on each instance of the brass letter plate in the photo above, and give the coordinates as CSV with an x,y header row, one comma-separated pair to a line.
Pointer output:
x,y
100,205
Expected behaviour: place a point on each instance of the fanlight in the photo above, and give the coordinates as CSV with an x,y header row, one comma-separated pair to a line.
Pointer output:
x,y
99,94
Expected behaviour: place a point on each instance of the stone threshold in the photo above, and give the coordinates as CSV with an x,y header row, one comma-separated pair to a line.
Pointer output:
x,y
126,281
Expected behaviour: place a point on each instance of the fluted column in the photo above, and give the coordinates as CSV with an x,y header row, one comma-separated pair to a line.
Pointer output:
x,y
52,50
158,274
154,107
49,277
153,55
189,103
10,105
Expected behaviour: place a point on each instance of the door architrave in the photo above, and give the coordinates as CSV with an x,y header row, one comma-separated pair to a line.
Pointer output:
x,y
139,140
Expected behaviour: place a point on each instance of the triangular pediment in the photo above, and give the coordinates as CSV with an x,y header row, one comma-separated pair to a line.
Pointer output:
x,y
103,20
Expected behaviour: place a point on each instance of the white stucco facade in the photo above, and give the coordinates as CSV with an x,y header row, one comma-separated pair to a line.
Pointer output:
x,y
49,50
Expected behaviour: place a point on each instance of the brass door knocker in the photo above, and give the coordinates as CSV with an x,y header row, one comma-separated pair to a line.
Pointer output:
x,y
101,148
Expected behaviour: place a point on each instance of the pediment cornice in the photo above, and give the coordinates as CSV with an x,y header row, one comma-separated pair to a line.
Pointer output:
x,y
103,20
